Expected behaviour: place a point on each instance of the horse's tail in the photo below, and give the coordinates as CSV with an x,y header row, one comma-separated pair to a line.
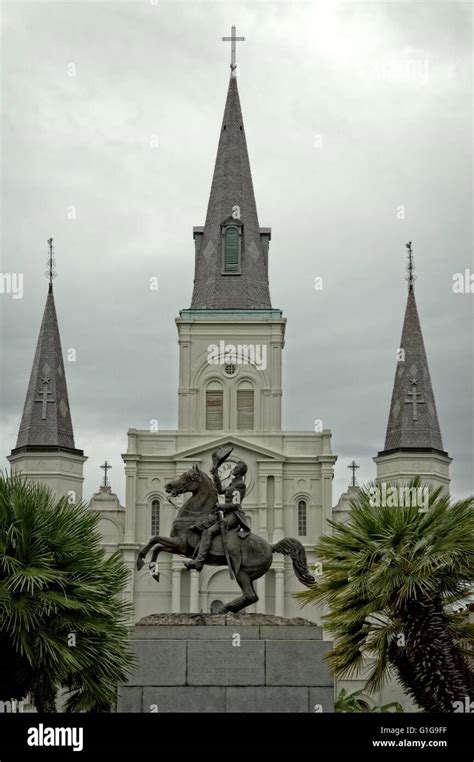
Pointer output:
x,y
293,548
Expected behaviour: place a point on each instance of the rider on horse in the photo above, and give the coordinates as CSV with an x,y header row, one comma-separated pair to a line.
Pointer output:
x,y
234,494
247,561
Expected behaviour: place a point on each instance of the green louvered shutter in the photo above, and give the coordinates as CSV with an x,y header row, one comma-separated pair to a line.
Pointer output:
x,y
245,408
214,409
231,250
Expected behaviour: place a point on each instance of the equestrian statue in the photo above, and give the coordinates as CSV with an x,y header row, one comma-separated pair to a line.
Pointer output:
x,y
208,532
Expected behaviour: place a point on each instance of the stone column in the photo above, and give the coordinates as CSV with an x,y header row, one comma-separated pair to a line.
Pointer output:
x,y
194,592
276,393
130,500
176,590
261,603
327,462
279,592
278,533
184,341
128,593
262,529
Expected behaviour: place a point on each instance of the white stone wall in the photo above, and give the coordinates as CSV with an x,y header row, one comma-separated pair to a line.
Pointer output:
x,y
300,465
61,472
196,335
402,467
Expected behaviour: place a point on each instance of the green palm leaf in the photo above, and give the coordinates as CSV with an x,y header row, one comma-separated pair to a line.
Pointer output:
x,y
392,571
62,613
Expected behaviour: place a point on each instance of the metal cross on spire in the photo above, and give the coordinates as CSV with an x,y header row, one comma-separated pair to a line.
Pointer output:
x,y
50,265
411,277
233,39
353,466
106,466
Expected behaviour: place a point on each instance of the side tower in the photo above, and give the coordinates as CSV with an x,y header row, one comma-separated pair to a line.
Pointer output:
x,y
45,450
413,443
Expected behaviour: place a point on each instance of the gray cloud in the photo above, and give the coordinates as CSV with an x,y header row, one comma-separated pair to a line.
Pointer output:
x,y
391,134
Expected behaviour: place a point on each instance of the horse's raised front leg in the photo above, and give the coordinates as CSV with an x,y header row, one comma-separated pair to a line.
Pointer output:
x,y
169,544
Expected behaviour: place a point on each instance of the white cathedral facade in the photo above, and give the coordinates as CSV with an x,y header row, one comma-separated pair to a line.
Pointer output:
x,y
231,341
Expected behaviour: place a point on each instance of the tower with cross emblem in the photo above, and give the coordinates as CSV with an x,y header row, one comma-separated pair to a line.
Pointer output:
x,y
45,450
413,442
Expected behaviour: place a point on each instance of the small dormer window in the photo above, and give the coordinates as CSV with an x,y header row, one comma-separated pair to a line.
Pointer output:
x,y
231,250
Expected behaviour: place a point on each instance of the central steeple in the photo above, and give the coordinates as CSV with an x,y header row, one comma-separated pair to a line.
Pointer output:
x,y
231,268
231,310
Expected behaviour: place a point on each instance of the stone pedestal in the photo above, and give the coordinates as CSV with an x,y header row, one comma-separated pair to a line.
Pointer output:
x,y
226,663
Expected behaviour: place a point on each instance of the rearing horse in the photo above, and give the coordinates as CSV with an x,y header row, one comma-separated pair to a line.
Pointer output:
x,y
251,557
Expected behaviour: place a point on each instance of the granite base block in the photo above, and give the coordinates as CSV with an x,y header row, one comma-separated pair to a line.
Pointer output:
x,y
253,663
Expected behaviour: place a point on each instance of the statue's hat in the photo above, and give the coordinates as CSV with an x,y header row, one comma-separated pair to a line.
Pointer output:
x,y
220,455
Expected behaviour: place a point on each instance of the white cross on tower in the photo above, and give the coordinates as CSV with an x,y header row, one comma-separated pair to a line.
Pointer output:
x,y
44,392
416,399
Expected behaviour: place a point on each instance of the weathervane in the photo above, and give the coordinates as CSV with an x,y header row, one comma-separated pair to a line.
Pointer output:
x,y
353,466
410,276
50,265
106,468
233,39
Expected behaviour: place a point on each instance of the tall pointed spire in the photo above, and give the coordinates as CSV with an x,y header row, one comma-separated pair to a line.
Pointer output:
x,y
231,203
46,420
413,420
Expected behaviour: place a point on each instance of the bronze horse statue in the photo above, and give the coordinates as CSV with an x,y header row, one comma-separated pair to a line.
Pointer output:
x,y
250,558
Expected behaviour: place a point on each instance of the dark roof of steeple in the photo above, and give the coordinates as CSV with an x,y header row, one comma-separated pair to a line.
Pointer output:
x,y
47,424
231,187
413,420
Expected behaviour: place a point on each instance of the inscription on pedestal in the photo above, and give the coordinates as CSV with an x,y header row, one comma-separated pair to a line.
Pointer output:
x,y
220,663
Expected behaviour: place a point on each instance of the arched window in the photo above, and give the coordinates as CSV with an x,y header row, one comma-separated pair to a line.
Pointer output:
x,y
302,518
231,262
216,606
245,406
155,517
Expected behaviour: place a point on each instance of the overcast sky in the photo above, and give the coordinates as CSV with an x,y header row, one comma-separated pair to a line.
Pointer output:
x,y
351,112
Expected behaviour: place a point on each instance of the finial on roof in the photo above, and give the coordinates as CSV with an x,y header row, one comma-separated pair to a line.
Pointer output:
x,y
50,265
106,466
233,39
353,466
410,276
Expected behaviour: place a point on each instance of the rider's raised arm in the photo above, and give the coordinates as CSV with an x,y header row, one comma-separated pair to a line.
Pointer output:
x,y
220,489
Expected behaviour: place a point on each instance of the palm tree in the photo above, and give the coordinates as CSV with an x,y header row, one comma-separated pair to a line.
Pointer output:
x,y
63,621
392,578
